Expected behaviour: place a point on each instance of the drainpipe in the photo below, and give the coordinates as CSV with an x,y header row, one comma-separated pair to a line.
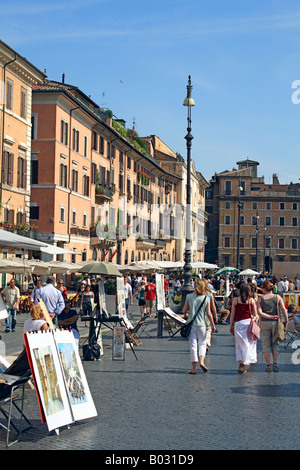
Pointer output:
x,y
3,120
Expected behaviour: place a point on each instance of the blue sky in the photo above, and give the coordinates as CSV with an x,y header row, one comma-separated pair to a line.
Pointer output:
x,y
134,57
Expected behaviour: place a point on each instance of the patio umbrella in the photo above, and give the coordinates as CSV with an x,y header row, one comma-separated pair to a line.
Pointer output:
x,y
248,272
15,265
225,270
97,267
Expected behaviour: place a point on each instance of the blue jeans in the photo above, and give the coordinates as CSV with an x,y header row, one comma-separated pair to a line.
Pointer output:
x,y
11,320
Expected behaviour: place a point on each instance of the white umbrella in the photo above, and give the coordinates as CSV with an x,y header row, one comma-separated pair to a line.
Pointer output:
x,y
203,265
248,272
15,265
18,241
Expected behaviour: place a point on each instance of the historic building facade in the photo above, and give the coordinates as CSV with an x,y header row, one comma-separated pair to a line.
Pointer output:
x,y
96,188
17,77
252,224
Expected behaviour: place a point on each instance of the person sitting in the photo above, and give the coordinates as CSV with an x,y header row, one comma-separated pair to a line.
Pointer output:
x,y
294,319
37,321
68,320
177,297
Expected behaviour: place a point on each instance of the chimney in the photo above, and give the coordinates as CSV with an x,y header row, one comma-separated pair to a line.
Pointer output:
x,y
275,179
63,78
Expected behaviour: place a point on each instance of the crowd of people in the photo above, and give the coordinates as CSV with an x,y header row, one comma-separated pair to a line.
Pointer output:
x,y
253,299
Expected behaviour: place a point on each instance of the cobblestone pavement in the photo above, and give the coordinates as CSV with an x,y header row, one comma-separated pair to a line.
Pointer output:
x,y
154,404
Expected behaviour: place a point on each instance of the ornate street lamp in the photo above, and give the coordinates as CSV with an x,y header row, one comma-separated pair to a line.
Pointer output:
x,y
187,288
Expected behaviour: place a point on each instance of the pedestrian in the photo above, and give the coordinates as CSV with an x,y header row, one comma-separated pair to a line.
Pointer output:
x,y
198,305
62,289
294,319
291,285
166,287
86,306
36,292
11,298
127,294
52,299
210,292
142,298
150,290
269,306
68,320
37,321
242,309
283,286
79,294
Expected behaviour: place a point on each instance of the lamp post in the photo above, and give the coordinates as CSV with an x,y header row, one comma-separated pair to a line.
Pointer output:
x,y
239,228
256,232
187,288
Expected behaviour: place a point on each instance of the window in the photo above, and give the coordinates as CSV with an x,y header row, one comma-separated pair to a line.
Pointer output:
x,y
227,205
34,171
7,168
254,205
282,206
281,221
243,186
34,121
295,206
101,149
84,219
95,141
86,185
64,132
227,242
254,220
227,187
268,206
75,140
74,217
242,242
85,146
62,214
253,242
75,180
22,173
295,221
281,243
294,243
268,220
94,173
9,94
34,212
63,175
23,113
227,219
242,220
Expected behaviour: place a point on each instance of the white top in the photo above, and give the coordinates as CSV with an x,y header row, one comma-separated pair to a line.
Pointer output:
x,y
33,325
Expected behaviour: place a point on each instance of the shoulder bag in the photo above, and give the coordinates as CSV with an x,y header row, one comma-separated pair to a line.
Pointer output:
x,y
280,330
186,328
253,331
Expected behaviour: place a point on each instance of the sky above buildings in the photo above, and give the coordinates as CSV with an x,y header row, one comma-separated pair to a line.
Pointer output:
x,y
134,57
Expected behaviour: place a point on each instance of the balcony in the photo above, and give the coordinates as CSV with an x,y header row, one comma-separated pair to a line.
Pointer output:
x,y
104,193
150,244
103,241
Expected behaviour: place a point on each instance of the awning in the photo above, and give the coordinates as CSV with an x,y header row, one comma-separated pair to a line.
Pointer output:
x,y
10,239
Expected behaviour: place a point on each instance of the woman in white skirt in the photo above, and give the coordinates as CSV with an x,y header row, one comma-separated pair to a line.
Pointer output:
x,y
198,306
242,309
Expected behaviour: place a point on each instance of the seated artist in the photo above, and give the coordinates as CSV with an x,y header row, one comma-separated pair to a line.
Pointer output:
x,y
68,320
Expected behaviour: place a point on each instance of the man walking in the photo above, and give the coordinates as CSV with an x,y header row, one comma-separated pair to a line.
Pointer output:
x,y
52,299
11,298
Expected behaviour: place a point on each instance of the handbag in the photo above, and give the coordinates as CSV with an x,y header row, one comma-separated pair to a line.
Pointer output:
x,y
185,330
280,330
253,331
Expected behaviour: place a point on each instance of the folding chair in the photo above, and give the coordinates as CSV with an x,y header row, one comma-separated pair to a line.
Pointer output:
x,y
291,333
141,324
8,398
